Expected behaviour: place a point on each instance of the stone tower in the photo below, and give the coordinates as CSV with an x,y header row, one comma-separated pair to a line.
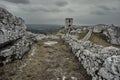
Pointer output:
x,y
68,23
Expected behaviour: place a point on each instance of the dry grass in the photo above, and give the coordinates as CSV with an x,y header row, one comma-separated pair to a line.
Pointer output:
x,y
83,34
100,39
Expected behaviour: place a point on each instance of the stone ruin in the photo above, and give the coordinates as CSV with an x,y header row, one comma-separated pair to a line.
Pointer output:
x,y
102,63
68,24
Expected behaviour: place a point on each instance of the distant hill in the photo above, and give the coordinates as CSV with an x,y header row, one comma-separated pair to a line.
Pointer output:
x,y
43,28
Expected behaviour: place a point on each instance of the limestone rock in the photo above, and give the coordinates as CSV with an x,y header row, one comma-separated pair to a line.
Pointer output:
x,y
99,28
14,39
111,68
102,63
111,32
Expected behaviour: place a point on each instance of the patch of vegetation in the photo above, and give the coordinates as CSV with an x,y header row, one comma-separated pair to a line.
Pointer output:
x,y
83,34
101,39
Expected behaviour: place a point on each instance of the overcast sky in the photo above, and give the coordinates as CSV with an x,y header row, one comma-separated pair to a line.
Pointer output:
x,y
55,11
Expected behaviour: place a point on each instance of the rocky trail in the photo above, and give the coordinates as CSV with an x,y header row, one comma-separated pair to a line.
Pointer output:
x,y
47,60
92,50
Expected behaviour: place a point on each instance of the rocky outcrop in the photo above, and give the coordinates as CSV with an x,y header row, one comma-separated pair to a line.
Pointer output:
x,y
14,39
102,63
11,27
112,32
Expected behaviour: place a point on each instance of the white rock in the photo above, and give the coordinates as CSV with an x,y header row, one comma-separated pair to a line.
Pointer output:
x,y
102,63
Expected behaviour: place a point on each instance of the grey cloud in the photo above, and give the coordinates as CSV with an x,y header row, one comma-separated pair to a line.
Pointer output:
x,y
98,12
40,9
44,9
18,1
106,8
49,10
2,5
70,10
103,10
54,11
61,3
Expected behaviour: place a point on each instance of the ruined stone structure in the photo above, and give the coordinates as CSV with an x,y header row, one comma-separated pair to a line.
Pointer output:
x,y
102,63
68,23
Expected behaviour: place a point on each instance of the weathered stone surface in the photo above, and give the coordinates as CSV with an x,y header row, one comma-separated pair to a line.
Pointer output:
x,y
11,27
111,68
99,28
14,39
112,32
102,63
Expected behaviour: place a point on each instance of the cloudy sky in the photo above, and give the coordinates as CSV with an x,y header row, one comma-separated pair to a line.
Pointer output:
x,y
55,11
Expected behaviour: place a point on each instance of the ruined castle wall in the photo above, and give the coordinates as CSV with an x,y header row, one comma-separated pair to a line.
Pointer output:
x,y
102,63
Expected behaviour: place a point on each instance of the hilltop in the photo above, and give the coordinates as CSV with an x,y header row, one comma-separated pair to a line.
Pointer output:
x,y
85,53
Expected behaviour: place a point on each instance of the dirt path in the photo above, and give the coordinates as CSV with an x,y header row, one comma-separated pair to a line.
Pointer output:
x,y
44,62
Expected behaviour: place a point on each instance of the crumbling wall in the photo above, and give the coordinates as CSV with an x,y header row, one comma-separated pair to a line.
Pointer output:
x,y
102,63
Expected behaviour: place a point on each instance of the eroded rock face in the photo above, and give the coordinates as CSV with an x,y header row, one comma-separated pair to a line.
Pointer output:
x,y
14,40
11,27
112,32
102,63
